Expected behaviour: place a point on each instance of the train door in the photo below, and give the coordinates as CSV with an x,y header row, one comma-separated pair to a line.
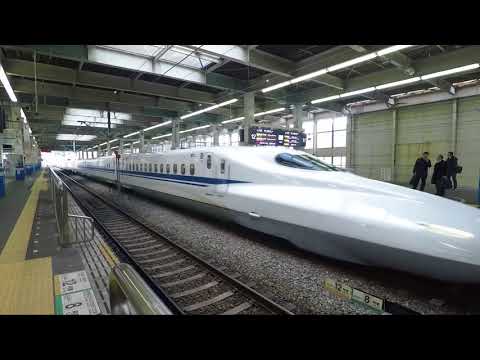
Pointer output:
x,y
217,171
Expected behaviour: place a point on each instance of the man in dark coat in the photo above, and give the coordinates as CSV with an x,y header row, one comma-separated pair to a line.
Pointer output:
x,y
420,171
439,174
452,165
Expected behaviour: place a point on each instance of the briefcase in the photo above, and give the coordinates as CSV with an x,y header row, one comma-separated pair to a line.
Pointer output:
x,y
459,169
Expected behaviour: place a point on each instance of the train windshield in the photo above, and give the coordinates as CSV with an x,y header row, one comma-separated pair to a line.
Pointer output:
x,y
303,161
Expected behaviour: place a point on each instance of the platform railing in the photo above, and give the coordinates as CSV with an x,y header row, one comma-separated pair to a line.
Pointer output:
x,y
69,230
60,202
130,295
84,232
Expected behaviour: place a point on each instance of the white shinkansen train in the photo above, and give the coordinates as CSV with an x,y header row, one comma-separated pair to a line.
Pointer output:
x,y
317,207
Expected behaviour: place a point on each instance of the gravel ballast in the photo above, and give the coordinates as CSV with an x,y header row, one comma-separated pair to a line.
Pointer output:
x,y
286,274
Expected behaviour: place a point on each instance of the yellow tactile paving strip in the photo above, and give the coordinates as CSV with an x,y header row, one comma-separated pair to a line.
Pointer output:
x,y
16,247
26,287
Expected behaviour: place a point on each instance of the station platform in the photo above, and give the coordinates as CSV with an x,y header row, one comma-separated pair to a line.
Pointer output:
x,y
40,276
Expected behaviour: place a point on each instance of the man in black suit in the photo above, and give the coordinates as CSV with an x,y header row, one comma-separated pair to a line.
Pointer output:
x,y
452,165
438,176
420,171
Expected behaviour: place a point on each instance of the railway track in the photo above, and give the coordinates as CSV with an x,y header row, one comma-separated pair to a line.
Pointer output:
x,y
189,284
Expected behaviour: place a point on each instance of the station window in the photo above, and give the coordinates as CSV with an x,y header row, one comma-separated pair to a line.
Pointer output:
x,y
192,169
222,167
209,161
168,168
149,167
175,168
161,168
156,168
182,169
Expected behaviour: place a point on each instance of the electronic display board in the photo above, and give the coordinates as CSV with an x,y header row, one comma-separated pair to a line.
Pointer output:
x,y
262,136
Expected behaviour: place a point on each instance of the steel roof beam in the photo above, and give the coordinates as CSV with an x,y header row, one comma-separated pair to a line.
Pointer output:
x,y
432,64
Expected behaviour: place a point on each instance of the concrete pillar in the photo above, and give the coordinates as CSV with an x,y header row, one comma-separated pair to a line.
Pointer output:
x,y
230,131
175,135
394,143
216,136
298,116
350,141
312,118
454,125
141,144
248,113
108,149
120,147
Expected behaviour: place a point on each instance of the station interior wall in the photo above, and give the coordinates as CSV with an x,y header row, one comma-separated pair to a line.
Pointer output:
x,y
425,127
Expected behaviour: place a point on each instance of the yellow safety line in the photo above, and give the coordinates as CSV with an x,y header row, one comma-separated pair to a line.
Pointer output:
x,y
108,255
26,288
16,247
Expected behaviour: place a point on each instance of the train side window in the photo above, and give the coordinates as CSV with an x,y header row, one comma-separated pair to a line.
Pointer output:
x,y
209,161
156,168
192,169
136,167
182,169
161,168
175,168
149,167
222,166
168,168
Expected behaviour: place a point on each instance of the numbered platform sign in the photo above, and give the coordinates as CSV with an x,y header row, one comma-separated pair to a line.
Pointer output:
x,y
71,282
78,303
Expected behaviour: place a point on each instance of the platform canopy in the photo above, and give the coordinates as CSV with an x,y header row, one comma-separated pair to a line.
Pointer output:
x,y
75,89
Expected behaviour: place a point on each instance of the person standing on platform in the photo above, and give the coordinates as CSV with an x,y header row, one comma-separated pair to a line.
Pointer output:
x,y
420,171
439,175
452,169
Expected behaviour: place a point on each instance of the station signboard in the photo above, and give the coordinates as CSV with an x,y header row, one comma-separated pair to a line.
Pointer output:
x,y
263,136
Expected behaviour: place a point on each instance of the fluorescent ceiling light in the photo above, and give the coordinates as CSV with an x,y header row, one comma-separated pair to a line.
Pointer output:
x,y
451,71
358,92
111,141
326,99
22,114
161,136
6,84
157,126
332,68
392,49
233,120
114,147
71,137
30,130
136,142
277,86
103,144
269,112
134,133
209,108
398,83
355,61
308,76
195,128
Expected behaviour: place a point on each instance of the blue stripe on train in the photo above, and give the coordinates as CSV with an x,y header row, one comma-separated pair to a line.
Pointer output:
x,y
180,179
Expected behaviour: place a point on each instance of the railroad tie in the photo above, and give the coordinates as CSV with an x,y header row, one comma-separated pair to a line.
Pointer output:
x,y
237,309
174,272
183,281
147,261
156,267
211,301
194,290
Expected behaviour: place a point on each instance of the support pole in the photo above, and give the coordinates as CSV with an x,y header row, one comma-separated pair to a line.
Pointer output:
x,y
248,113
454,125
142,142
394,143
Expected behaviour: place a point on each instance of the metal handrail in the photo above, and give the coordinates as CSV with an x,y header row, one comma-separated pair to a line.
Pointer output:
x,y
130,295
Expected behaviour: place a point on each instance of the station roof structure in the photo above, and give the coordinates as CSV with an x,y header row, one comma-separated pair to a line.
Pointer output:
x,y
66,91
